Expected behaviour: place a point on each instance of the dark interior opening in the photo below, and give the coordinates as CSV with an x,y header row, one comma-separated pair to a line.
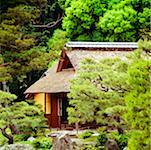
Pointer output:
x,y
65,104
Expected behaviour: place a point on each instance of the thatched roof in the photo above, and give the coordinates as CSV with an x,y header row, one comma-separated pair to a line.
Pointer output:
x,y
55,82
77,56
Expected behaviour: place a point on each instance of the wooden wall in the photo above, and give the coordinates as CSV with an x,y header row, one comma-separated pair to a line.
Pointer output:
x,y
44,100
50,106
39,99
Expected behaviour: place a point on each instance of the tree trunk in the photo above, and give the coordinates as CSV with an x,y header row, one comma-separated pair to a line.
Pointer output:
x,y
120,130
9,137
13,129
77,126
5,87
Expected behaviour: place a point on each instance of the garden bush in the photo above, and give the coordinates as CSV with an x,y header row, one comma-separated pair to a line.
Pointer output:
x,y
86,134
102,129
101,139
3,140
21,137
113,135
121,139
42,143
88,147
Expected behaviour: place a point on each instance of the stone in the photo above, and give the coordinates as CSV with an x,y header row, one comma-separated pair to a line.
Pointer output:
x,y
111,145
63,142
17,147
95,134
31,139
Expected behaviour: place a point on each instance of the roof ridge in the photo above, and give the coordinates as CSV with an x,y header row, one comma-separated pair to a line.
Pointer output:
x,y
78,44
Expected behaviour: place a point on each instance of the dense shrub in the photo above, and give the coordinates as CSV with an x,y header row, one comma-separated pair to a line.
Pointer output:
x,y
42,143
88,147
113,135
122,141
101,139
21,137
86,134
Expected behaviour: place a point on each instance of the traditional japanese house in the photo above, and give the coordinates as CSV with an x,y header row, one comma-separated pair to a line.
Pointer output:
x,y
51,89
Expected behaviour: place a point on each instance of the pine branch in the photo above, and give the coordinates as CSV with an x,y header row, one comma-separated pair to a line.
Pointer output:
x,y
51,24
4,45
9,137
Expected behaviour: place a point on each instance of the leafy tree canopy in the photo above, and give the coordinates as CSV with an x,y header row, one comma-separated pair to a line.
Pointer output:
x,y
25,28
106,20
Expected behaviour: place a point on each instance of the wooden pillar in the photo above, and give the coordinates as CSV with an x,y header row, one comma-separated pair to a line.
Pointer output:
x,y
55,121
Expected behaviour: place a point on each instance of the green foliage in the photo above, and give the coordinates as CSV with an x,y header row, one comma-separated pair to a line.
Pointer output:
x,y
64,3
86,134
6,99
101,139
106,20
88,147
3,140
21,137
19,117
145,45
58,40
144,18
138,103
4,73
139,140
56,44
23,41
116,94
42,143
121,139
94,99
80,17
118,24
9,34
113,135
22,14
11,28
26,27
15,42
38,58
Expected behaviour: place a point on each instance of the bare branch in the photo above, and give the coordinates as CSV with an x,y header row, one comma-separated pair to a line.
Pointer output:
x,y
4,64
51,24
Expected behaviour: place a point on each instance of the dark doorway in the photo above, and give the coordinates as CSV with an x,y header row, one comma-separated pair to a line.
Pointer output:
x,y
65,104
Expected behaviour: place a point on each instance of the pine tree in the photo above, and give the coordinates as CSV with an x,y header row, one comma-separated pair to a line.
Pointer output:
x,y
19,117
115,92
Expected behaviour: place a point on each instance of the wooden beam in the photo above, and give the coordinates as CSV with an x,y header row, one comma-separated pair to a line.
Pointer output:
x,y
45,103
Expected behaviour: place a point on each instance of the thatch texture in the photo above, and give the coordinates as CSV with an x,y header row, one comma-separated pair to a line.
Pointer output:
x,y
53,82
76,56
